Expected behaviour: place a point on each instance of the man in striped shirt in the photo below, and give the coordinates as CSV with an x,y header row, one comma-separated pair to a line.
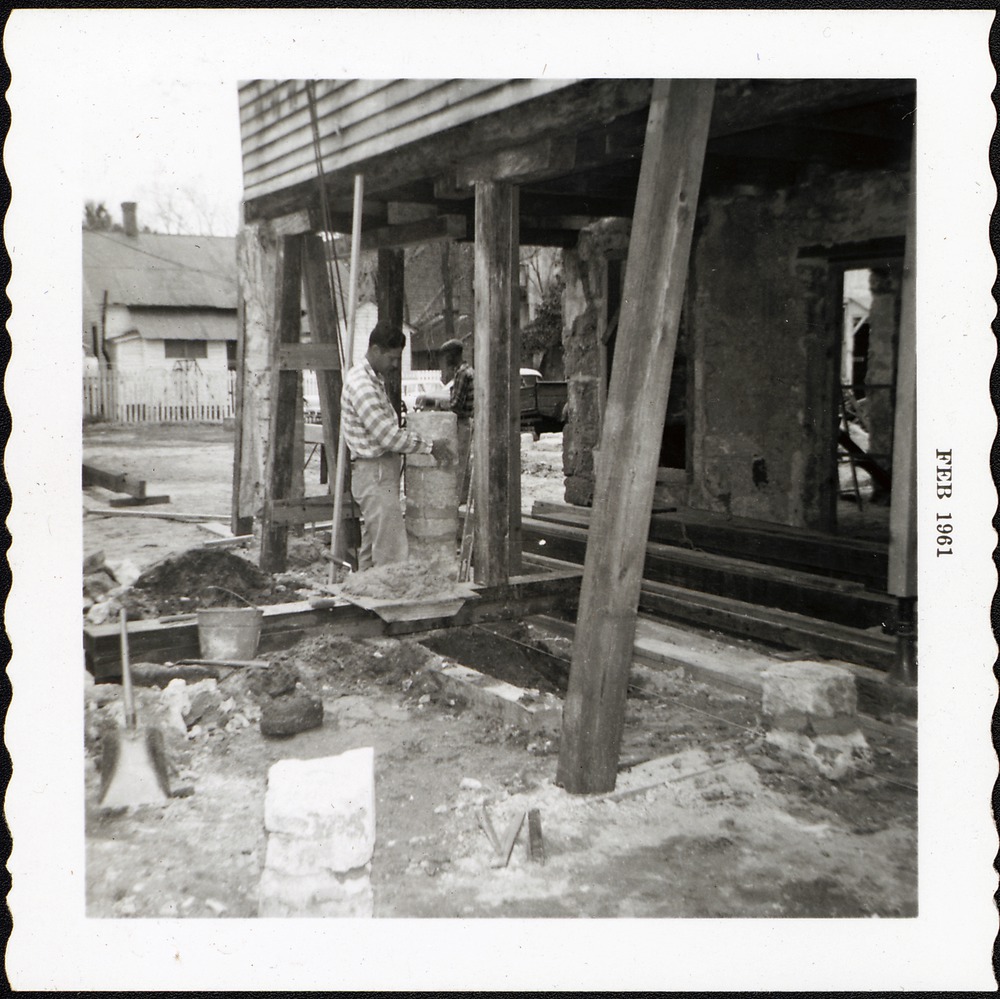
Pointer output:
x,y
377,443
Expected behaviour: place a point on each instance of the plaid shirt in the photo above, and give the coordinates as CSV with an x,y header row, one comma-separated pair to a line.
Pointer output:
x,y
462,392
371,428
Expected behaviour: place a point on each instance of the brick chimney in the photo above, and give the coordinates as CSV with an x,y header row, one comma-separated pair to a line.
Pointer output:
x,y
129,220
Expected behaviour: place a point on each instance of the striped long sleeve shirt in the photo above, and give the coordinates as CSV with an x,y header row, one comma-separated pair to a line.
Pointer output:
x,y
369,421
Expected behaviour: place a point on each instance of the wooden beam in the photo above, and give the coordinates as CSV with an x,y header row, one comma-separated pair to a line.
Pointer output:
x,y
116,483
496,424
546,157
659,247
281,452
308,356
428,230
902,512
240,522
285,624
390,294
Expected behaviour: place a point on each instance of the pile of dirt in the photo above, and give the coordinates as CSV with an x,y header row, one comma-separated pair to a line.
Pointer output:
x,y
402,580
199,577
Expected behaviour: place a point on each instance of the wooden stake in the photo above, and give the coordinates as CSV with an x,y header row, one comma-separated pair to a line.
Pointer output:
x,y
667,196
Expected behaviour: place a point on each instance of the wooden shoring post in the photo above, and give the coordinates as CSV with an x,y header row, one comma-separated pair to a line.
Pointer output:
x,y
390,295
281,454
496,430
903,508
656,271
240,522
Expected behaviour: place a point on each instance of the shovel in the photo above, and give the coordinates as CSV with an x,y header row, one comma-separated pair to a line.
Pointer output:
x,y
133,761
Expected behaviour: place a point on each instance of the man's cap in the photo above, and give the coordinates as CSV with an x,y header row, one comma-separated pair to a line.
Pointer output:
x,y
451,346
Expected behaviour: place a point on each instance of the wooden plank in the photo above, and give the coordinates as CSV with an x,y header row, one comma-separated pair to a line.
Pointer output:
x,y
659,247
311,509
496,427
428,230
285,624
281,450
119,482
840,601
868,647
118,501
854,559
308,357
239,522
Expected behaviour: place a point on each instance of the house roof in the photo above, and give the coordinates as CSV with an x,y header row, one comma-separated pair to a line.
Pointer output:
x,y
182,324
157,270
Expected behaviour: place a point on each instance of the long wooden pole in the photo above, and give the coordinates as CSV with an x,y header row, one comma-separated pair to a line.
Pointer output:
x,y
352,310
655,275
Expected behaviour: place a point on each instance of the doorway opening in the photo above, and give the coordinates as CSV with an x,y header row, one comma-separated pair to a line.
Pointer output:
x,y
868,331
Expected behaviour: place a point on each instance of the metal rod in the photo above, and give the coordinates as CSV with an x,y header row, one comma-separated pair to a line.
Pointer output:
x,y
352,308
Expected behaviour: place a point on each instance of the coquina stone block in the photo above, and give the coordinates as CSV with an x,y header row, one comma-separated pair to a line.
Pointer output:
x,y
318,894
327,802
810,688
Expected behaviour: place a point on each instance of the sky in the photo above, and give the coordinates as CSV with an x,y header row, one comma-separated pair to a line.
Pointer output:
x,y
172,146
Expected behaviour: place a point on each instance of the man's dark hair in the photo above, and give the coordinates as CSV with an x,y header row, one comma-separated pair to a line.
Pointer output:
x,y
386,336
451,350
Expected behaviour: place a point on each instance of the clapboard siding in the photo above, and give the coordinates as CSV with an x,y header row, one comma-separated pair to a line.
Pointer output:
x,y
358,119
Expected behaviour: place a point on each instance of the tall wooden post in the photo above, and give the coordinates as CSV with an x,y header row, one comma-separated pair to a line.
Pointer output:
x,y
903,510
284,397
390,302
659,248
257,260
496,434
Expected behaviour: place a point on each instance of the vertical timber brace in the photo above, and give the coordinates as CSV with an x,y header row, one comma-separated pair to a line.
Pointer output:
x,y
659,248
241,522
284,399
496,430
903,509
390,295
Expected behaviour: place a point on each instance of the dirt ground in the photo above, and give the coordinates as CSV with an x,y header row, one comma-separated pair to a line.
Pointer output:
x,y
705,820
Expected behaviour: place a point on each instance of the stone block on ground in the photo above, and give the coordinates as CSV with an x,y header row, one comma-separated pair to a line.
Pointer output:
x,y
330,800
318,894
290,714
815,689
833,755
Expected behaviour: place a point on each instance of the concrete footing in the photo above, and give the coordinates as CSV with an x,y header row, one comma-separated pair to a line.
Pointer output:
x,y
810,710
320,820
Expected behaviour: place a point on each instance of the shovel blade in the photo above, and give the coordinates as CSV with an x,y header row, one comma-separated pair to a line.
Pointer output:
x,y
133,771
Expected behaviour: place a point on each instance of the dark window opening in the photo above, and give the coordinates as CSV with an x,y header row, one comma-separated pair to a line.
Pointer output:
x,y
185,350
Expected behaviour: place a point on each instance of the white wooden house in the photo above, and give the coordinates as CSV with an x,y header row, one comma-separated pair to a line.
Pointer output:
x,y
159,315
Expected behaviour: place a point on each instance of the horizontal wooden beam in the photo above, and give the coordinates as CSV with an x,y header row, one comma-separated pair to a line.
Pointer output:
x,y
116,482
845,602
547,157
311,509
308,357
427,230
285,624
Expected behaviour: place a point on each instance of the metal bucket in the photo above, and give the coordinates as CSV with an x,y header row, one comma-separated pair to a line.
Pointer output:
x,y
229,632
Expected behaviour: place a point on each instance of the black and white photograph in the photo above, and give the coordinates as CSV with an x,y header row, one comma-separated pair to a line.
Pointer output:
x,y
526,469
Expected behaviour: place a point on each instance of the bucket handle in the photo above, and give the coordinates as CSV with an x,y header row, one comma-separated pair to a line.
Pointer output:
x,y
232,594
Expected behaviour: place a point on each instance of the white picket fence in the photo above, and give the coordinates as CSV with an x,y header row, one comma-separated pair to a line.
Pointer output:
x,y
160,396
191,395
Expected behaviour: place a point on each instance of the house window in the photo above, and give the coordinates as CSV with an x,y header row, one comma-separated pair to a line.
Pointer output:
x,y
180,350
231,355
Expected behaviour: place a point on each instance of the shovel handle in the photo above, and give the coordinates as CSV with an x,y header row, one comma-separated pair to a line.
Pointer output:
x,y
127,675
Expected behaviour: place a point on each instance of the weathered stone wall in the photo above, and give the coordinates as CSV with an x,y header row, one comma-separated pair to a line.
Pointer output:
x,y
584,320
764,345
